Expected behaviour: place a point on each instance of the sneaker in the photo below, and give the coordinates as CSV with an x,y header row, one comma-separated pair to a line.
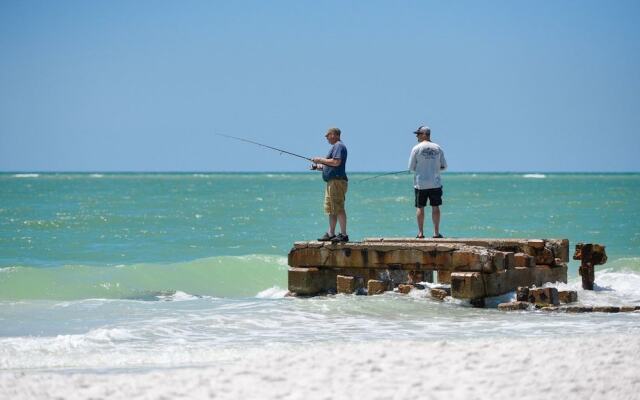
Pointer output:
x,y
340,238
438,236
326,237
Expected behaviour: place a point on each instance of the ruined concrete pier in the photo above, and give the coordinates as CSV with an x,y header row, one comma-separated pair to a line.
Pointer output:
x,y
474,267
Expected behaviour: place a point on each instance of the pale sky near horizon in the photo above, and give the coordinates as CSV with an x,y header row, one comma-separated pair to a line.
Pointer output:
x,y
144,85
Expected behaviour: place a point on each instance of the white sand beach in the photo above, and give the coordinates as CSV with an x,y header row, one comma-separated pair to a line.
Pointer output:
x,y
601,367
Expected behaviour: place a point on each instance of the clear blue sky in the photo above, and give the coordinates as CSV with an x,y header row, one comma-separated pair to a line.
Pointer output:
x,y
143,86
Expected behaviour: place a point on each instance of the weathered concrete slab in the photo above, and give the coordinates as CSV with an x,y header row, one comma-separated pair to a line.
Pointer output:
x,y
408,256
363,255
514,306
475,268
545,250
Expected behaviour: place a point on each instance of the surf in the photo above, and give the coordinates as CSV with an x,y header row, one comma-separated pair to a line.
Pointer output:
x,y
224,276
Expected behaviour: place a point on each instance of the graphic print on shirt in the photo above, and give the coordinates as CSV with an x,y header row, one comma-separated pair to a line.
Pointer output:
x,y
429,153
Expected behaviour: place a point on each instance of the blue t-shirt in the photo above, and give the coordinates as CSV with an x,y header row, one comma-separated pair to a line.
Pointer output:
x,y
337,151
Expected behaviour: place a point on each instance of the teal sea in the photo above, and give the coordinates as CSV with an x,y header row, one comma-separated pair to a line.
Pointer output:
x,y
129,270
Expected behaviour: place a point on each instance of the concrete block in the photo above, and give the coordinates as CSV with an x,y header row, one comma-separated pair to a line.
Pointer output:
x,y
577,309
497,283
345,284
404,289
593,253
445,248
467,285
607,309
562,249
523,260
499,261
545,256
509,260
466,261
305,281
542,274
520,276
514,306
567,296
444,276
544,296
536,243
440,293
376,287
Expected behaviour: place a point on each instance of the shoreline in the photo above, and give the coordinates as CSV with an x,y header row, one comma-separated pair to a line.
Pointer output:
x,y
581,367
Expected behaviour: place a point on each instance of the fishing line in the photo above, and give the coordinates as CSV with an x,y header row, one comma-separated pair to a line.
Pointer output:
x,y
385,174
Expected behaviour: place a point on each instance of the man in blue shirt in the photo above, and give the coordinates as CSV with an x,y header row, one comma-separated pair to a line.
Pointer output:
x,y
333,169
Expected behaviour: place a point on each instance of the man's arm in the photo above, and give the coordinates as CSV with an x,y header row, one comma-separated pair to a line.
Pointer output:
x,y
331,162
443,161
412,161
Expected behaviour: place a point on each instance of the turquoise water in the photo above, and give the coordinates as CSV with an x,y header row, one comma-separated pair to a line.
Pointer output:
x,y
125,265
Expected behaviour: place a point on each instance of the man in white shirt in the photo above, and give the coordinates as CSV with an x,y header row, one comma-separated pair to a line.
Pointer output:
x,y
426,161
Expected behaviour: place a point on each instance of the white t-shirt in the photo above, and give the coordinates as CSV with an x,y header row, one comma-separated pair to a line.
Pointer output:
x,y
427,160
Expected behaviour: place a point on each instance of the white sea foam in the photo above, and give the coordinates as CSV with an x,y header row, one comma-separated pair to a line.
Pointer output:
x,y
272,293
96,175
178,296
534,176
103,335
624,284
26,175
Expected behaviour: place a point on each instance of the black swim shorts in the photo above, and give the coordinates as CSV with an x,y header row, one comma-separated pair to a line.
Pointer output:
x,y
433,195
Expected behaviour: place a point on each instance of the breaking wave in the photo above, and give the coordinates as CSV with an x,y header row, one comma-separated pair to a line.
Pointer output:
x,y
227,276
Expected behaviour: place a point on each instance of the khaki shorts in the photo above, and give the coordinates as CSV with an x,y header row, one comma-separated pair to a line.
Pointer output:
x,y
334,196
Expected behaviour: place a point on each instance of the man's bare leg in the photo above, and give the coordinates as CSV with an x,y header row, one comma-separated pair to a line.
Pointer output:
x,y
420,219
342,219
333,218
435,216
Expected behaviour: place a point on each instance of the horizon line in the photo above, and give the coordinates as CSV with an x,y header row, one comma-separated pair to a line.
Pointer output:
x,y
290,172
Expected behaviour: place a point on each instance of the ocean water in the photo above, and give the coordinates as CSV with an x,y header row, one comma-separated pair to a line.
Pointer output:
x,y
111,271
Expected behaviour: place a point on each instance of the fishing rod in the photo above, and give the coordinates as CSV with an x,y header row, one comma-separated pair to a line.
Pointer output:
x,y
385,174
264,145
